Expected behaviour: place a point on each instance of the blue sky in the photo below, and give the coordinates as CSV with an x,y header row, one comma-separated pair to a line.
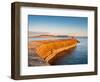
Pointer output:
x,y
58,25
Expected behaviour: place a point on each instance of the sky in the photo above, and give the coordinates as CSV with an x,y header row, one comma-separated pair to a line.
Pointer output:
x,y
58,25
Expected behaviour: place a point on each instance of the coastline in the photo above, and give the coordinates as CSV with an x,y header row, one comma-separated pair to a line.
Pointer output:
x,y
55,53
48,49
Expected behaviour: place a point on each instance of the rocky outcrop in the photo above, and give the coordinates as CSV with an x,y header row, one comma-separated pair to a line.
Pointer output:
x,y
48,49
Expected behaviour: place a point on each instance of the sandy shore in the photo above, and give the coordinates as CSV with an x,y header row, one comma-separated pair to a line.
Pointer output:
x,y
47,49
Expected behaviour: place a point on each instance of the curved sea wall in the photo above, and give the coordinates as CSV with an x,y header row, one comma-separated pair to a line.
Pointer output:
x,y
48,49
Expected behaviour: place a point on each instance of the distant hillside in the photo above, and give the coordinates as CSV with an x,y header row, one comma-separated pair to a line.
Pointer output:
x,y
42,36
62,36
34,34
46,36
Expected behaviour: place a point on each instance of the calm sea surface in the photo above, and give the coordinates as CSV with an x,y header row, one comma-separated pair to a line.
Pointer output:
x,y
78,55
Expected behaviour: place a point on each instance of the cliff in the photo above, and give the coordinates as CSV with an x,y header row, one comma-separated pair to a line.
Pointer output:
x,y
47,49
